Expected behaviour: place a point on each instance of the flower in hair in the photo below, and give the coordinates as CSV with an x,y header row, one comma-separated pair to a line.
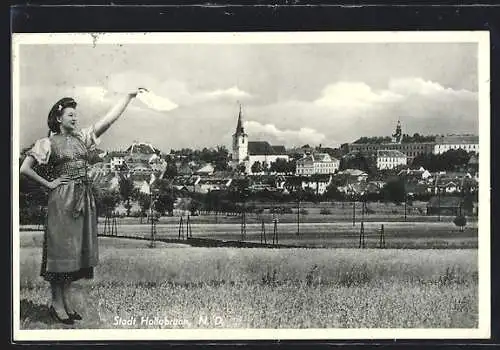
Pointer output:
x,y
59,107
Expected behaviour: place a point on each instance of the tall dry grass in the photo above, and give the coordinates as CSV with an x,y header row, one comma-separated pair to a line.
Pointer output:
x,y
268,288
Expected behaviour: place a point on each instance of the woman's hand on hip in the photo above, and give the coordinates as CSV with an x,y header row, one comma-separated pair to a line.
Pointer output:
x,y
63,180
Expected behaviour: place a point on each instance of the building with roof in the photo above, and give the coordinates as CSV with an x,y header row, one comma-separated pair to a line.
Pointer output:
x,y
352,175
142,148
316,163
186,183
410,149
116,162
453,182
205,185
415,174
318,185
207,169
104,180
469,143
390,159
265,153
249,152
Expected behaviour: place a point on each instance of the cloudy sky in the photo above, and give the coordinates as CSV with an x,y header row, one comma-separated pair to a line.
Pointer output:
x,y
292,94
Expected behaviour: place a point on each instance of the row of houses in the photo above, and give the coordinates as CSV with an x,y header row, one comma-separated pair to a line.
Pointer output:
x,y
440,145
349,181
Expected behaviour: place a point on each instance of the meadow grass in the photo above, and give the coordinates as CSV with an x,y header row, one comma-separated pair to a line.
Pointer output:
x,y
265,288
398,235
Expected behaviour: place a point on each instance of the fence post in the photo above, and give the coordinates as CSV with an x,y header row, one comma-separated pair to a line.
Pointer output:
x,y
243,225
362,236
181,228
354,213
105,224
263,233
189,231
275,231
382,237
114,227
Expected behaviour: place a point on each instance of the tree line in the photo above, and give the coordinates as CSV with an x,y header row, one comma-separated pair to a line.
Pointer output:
x,y
415,138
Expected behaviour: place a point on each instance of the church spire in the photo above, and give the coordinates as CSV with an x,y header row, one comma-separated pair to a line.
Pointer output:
x,y
239,126
397,136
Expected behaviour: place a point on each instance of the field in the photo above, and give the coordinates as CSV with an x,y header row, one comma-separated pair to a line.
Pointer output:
x,y
261,288
340,234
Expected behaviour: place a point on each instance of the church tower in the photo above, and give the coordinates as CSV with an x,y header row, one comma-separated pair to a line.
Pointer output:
x,y
398,135
240,142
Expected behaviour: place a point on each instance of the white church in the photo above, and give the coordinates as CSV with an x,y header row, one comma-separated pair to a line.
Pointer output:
x,y
248,152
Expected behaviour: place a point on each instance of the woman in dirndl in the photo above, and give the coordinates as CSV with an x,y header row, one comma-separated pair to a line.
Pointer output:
x,y
70,250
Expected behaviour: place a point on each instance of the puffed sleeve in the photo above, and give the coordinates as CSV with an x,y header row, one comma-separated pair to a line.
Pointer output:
x,y
41,150
89,137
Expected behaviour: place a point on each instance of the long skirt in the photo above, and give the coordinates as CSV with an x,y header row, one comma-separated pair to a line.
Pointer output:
x,y
70,250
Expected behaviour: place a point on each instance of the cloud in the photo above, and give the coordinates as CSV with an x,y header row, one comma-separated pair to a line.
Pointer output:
x,y
94,92
345,111
341,112
183,93
231,92
289,137
359,96
419,86
354,95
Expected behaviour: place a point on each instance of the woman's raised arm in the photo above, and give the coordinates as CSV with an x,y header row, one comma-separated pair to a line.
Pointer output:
x,y
102,125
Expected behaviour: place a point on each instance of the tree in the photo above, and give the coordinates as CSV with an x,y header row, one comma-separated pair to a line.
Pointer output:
x,y
417,138
93,156
170,171
208,202
316,178
165,196
333,193
241,168
256,167
144,201
165,204
453,159
194,206
375,139
242,189
283,166
106,201
221,158
394,191
265,166
460,221
358,161
32,202
32,196
126,191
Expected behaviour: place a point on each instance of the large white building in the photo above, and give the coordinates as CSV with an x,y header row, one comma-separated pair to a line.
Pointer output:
x,y
469,143
390,159
319,163
248,152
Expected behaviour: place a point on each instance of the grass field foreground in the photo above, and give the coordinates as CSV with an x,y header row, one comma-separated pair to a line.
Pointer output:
x,y
263,288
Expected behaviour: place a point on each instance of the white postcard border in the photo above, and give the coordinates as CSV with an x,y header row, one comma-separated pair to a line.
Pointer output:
x,y
480,37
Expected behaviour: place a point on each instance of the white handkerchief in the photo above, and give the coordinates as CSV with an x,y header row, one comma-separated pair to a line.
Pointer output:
x,y
154,101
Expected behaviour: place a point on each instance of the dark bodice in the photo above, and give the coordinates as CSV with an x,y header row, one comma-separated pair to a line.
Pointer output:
x,y
69,156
